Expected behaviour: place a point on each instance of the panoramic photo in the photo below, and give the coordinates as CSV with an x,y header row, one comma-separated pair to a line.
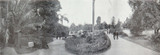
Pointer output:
x,y
79,27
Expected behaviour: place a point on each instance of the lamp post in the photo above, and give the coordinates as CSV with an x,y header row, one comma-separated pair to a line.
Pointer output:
x,y
93,13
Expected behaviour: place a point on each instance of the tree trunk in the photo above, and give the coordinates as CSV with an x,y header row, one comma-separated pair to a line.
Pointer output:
x,y
156,31
7,37
44,43
15,39
18,40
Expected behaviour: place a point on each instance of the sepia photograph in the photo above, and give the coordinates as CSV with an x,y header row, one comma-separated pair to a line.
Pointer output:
x,y
79,27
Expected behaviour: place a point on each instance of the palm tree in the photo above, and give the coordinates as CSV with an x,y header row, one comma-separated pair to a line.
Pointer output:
x,y
19,16
62,18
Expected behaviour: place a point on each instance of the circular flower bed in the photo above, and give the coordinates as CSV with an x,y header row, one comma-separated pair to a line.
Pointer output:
x,y
91,44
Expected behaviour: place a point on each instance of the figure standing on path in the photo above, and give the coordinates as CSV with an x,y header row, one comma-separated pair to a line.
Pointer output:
x,y
115,35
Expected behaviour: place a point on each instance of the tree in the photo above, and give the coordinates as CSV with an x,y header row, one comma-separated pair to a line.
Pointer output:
x,y
98,20
48,11
113,22
127,24
135,4
29,18
145,16
61,31
62,17
105,25
72,27
118,26
16,18
87,27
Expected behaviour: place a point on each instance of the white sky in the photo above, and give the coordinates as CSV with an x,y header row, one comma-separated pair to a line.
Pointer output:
x,y
80,11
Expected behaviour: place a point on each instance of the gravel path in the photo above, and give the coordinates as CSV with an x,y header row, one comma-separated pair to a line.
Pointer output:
x,y
118,47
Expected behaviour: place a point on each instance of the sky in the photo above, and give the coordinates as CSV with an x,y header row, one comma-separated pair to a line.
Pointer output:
x,y
80,11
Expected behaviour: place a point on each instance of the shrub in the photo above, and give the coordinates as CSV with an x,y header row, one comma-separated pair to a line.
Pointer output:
x,y
156,38
91,44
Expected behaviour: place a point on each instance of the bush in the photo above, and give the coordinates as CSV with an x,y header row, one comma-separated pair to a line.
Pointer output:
x,y
156,38
123,34
96,44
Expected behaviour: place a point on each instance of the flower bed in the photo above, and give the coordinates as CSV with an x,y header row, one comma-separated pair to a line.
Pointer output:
x,y
92,44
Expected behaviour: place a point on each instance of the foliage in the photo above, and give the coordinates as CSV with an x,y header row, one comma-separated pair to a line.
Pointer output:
x,y
87,27
156,38
96,44
113,21
101,26
118,26
145,16
62,17
135,4
127,24
72,27
60,30
48,11
16,18
30,18
98,20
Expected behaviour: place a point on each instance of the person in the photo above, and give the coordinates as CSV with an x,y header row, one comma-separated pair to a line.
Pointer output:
x,y
115,35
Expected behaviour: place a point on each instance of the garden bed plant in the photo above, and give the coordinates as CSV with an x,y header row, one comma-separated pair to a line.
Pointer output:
x,y
93,44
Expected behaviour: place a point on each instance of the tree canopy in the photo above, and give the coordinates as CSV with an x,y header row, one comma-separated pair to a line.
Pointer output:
x,y
145,15
31,18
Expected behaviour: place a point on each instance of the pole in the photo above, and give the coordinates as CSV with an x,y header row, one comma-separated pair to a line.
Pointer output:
x,y
93,7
